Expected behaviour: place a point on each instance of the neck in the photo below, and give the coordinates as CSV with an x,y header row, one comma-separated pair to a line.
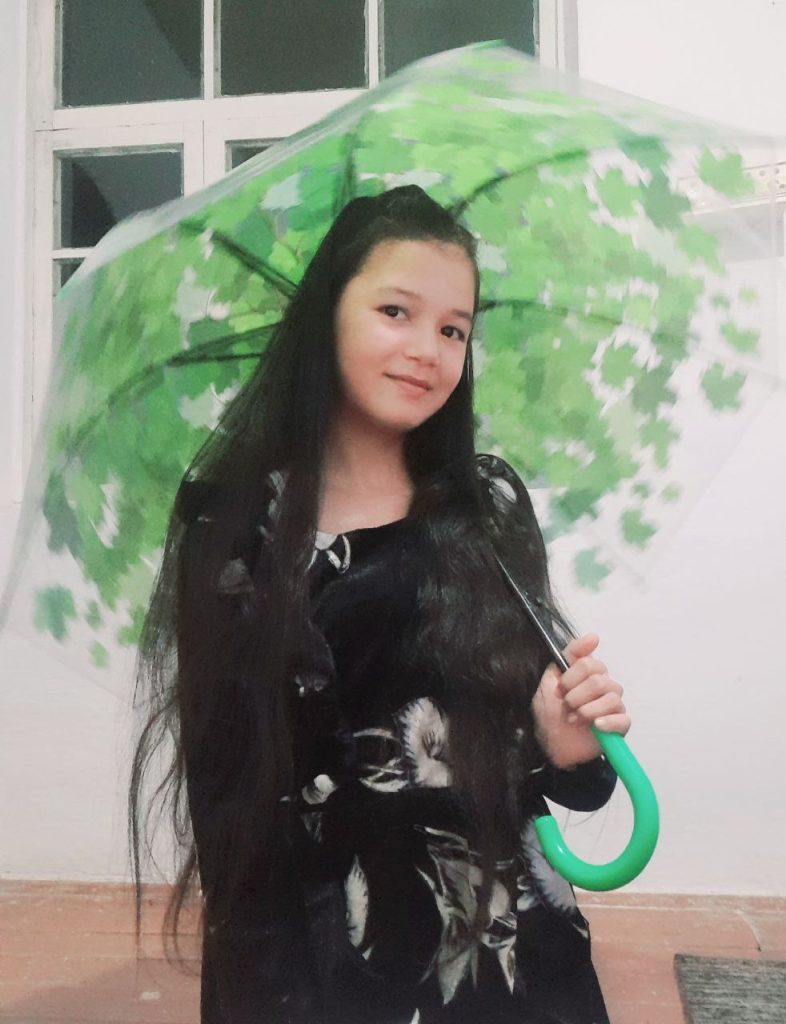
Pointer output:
x,y
364,460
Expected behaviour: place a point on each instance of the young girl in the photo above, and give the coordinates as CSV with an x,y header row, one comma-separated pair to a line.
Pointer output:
x,y
365,722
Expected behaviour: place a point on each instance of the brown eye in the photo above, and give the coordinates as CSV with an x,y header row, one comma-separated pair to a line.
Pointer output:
x,y
458,336
391,311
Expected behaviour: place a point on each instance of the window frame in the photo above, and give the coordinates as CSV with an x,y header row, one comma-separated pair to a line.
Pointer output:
x,y
201,127
46,147
557,34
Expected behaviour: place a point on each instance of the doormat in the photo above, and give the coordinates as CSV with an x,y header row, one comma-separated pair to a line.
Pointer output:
x,y
720,991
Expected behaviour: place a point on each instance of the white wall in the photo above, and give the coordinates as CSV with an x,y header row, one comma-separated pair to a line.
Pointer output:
x,y
699,652
12,227
721,59
59,772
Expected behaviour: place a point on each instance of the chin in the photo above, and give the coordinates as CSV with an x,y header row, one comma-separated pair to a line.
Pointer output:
x,y
398,420
402,425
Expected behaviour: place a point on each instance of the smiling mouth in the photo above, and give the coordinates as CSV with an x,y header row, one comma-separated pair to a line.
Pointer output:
x,y
413,382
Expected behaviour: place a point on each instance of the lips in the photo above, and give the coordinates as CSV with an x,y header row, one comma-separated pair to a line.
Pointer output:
x,y
414,381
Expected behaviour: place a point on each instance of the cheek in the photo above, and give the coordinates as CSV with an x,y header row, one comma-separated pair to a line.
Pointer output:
x,y
456,369
359,358
349,351
366,346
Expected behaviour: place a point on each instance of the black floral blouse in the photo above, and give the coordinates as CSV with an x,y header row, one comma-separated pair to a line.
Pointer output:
x,y
380,880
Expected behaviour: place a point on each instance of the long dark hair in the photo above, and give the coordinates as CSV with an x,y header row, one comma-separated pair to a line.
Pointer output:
x,y
201,671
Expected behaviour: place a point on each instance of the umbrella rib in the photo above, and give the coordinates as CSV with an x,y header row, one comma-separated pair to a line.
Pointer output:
x,y
229,358
213,350
280,282
460,207
490,304
348,189
130,387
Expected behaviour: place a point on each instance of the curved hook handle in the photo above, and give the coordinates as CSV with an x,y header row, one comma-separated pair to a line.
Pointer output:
x,y
641,845
646,819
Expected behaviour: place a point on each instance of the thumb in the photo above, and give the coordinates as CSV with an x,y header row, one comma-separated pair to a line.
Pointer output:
x,y
581,646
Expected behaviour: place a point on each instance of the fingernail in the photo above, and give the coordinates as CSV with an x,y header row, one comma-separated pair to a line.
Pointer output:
x,y
600,722
573,718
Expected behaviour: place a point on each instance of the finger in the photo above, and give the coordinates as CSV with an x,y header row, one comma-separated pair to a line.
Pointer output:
x,y
591,689
613,723
580,646
581,670
578,671
551,677
587,714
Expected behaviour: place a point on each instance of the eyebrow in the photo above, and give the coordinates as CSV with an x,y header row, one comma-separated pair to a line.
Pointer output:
x,y
414,295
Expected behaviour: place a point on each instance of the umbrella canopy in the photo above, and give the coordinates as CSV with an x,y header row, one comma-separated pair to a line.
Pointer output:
x,y
609,306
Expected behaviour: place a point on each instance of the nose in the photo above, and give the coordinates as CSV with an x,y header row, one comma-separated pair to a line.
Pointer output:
x,y
422,345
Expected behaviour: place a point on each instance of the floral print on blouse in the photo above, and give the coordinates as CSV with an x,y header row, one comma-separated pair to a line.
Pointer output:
x,y
382,880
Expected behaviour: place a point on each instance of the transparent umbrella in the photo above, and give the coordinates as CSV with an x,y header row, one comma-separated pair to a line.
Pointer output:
x,y
621,348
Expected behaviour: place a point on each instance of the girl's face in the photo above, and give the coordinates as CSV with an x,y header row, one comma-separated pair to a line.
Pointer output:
x,y
402,328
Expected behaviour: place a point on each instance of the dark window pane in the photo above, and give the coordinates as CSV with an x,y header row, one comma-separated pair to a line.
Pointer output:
x,y
239,152
130,51
418,28
98,191
64,270
286,46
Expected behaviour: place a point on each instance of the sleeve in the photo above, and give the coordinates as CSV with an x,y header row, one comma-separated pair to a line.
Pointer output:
x,y
589,786
257,958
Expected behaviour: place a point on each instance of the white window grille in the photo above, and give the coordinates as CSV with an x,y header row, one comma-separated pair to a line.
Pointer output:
x,y
103,95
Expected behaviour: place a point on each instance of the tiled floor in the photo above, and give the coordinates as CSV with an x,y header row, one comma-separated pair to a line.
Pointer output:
x,y
635,939
67,953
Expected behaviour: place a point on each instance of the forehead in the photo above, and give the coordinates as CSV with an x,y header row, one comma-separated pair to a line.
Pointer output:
x,y
436,265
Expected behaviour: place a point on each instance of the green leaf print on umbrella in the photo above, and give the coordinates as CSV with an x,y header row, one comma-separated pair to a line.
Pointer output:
x,y
607,305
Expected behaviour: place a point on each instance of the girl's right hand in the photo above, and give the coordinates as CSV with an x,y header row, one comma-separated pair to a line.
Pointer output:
x,y
567,704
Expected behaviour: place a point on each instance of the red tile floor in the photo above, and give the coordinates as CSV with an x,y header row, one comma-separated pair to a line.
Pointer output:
x,y
67,953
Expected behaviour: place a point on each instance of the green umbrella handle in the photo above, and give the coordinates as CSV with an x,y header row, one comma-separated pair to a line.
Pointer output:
x,y
641,845
635,857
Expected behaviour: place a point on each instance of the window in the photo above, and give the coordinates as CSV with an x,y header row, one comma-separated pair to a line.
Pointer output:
x,y
413,29
290,47
95,190
136,102
128,51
